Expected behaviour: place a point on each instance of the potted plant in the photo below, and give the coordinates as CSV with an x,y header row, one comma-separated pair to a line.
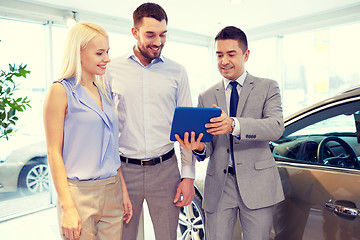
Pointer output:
x,y
9,104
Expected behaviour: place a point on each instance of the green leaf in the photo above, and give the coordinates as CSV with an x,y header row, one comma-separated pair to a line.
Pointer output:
x,y
9,106
11,113
12,68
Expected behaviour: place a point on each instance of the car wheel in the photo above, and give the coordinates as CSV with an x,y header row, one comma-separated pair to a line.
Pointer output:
x,y
191,221
34,177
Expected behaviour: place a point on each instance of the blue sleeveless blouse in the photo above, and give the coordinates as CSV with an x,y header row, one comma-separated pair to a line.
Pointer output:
x,y
90,141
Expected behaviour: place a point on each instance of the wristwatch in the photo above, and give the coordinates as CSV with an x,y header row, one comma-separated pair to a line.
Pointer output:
x,y
233,124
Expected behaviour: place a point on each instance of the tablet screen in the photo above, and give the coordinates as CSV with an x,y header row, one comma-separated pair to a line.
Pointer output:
x,y
188,119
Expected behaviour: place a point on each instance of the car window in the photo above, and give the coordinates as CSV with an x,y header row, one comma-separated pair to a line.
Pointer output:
x,y
333,141
339,124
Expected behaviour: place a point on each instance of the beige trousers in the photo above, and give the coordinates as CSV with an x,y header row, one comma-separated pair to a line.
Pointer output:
x,y
100,206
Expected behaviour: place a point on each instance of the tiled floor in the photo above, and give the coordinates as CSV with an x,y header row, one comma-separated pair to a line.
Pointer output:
x,y
42,225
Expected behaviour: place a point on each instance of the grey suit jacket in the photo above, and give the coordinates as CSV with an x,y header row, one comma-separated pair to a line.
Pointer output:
x,y
260,116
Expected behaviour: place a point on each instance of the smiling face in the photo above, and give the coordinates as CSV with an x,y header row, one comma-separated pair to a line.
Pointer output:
x,y
231,58
95,57
151,37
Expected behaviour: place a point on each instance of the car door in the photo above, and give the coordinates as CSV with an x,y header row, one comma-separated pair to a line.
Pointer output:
x,y
318,161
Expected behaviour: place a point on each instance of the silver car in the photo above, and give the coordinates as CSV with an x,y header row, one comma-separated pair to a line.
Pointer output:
x,y
318,158
23,163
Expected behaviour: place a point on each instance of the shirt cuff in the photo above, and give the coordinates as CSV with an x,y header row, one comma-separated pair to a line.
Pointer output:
x,y
236,130
200,155
188,171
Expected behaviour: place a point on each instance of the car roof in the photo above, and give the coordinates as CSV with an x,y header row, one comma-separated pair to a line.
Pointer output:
x,y
350,93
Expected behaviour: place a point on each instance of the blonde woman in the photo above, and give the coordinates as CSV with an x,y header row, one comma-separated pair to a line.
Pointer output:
x,y
81,129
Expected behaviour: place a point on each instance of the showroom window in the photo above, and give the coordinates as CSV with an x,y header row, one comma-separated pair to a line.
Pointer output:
x,y
263,59
344,52
24,178
58,42
120,44
309,66
196,60
319,64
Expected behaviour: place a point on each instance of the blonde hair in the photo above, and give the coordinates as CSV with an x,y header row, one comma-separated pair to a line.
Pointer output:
x,y
78,38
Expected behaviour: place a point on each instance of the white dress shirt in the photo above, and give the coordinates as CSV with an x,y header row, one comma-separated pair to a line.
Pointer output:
x,y
145,98
228,88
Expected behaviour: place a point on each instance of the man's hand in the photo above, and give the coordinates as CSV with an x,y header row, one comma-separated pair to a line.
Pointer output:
x,y
192,145
186,188
219,125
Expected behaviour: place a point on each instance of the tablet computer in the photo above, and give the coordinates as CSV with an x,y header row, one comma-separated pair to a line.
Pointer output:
x,y
188,119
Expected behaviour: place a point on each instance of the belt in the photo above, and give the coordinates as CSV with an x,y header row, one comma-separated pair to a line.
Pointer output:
x,y
148,162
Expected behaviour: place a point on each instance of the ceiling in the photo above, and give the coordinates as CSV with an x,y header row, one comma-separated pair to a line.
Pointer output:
x,y
207,17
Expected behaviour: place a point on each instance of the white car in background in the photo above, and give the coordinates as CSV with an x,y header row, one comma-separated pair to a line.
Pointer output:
x,y
23,162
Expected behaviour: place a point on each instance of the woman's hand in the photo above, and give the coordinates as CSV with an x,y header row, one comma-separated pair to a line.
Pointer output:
x,y
128,212
71,223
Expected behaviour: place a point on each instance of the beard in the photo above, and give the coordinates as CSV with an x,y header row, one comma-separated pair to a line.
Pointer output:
x,y
149,55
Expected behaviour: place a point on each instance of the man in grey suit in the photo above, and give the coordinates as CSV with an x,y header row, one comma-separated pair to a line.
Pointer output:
x,y
242,177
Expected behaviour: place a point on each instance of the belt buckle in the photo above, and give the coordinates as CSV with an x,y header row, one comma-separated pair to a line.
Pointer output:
x,y
145,161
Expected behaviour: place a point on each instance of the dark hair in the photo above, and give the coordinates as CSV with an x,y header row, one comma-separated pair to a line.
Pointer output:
x,y
151,10
231,32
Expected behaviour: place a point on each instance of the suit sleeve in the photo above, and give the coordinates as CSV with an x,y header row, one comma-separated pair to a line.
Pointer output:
x,y
208,145
270,125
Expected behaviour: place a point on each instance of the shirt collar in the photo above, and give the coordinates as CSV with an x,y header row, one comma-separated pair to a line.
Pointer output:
x,y
131,55
240,80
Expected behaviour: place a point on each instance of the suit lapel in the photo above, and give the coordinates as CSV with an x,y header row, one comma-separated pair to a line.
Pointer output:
x,y
220,97
221,100
244,94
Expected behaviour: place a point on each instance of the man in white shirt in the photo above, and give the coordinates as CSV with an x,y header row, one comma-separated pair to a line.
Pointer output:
x,y
147,87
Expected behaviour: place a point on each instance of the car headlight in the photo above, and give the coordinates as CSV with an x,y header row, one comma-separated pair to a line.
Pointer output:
x,y
2,160
4,155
